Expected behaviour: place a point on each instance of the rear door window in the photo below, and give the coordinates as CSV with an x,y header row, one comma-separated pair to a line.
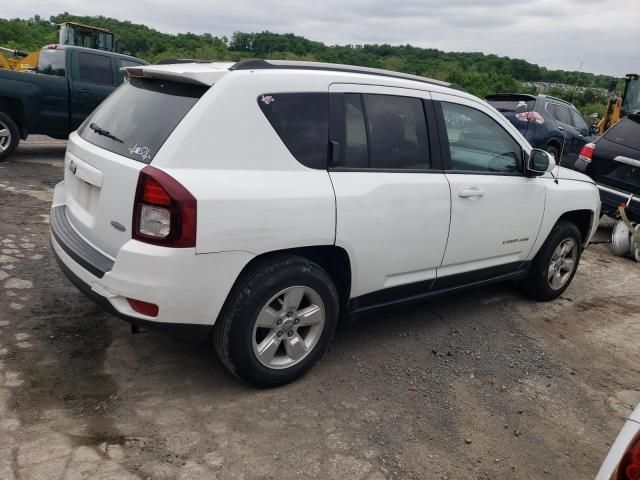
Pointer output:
x,y
301,120
95,68
397,131
138,117
562,114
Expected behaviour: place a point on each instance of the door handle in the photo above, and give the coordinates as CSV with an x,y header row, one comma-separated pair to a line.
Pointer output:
x,y
84,91
561,129
467,192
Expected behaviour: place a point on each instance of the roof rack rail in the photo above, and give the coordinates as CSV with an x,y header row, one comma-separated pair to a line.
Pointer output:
x,y
559,100
259,64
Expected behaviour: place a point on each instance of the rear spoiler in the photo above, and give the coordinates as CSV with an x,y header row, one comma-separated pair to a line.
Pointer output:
x,y
195,73
510,96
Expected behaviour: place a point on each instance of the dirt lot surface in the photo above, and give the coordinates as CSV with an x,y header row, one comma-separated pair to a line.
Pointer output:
x,y
484,385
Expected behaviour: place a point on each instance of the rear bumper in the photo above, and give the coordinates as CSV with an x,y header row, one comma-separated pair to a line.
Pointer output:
x,y
188,331
188,288
612,198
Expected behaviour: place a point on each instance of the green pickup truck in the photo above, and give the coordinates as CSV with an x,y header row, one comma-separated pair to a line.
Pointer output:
x,y
68,83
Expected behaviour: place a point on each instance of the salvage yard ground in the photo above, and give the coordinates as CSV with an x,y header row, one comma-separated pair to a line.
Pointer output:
x,y
483,385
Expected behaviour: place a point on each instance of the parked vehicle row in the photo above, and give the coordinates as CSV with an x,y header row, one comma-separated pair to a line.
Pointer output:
x,y
259,201
613,161
67,85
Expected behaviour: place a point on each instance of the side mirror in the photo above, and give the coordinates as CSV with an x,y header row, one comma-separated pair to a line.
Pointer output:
x,y
540,162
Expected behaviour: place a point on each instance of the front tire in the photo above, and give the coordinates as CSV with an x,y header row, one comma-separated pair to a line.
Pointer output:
x,y
553,150
9,136
556,263
277,321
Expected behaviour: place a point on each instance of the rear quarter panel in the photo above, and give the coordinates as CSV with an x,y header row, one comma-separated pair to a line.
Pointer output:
x,y
253,195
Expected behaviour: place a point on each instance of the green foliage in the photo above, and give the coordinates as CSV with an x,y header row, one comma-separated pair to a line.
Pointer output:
x,y
478,73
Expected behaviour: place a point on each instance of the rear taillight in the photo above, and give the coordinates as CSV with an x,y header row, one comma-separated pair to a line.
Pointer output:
x,y
586,154
629,468
164,212
530,117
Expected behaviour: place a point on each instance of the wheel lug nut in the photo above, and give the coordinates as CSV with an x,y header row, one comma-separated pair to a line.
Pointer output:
x,y
279,333
279,321
296,321
290,333
289,314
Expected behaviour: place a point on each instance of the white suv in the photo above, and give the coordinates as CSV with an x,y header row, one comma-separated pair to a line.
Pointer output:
x,y
257,202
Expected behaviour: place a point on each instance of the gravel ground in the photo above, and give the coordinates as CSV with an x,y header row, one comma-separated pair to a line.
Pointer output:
x,y
483,385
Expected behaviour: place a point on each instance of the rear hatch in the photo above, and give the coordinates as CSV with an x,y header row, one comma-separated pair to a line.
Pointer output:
x,y
516,108
104,157
616,158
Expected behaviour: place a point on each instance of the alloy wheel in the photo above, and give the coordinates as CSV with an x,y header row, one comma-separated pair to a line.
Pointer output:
x,y
563,263
288,327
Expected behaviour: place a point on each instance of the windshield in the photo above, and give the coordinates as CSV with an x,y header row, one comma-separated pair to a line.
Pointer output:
x,y
51,62
632,97
138,117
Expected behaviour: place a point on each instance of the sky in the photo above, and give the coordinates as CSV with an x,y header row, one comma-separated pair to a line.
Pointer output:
x,y
602,34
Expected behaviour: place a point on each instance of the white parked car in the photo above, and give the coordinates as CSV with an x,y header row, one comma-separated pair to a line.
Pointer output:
x,y
623,460
259,201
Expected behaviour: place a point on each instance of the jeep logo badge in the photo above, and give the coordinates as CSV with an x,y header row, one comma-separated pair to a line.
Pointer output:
x,y
73,167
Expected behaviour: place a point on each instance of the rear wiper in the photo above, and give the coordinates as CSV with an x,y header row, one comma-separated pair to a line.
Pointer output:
x,y
101,131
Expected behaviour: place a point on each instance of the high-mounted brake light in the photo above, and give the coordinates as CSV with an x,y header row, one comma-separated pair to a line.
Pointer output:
x,y
629,468
164,212
586,154
530,117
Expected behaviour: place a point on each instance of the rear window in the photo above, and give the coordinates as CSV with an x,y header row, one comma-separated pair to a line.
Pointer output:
x,y
138,117
51,62
626,132
301,120
514,104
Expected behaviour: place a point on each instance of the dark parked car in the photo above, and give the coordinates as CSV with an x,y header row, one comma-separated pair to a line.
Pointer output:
x,y
66,86
546,122
613,162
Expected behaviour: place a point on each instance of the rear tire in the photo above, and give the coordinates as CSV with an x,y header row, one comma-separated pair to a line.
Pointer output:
x,y
9,136
553,150
269,332
556,263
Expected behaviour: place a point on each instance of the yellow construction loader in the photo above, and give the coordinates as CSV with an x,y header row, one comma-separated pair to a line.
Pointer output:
x,y
11,59
619,107
69,33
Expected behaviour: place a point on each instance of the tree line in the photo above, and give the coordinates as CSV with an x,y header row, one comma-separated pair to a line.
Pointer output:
x,y
478,73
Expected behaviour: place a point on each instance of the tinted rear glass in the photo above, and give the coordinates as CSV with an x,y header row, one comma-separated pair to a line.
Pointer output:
x,y
301,120
51,62
138,117
626,132
516,105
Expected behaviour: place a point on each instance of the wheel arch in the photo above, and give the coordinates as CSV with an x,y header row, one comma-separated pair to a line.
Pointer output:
x,y
554,142
333,259
14,108
583,219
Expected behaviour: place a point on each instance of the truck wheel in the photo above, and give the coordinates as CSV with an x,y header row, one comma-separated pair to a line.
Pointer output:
x,y
556,263
9,136
277,321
